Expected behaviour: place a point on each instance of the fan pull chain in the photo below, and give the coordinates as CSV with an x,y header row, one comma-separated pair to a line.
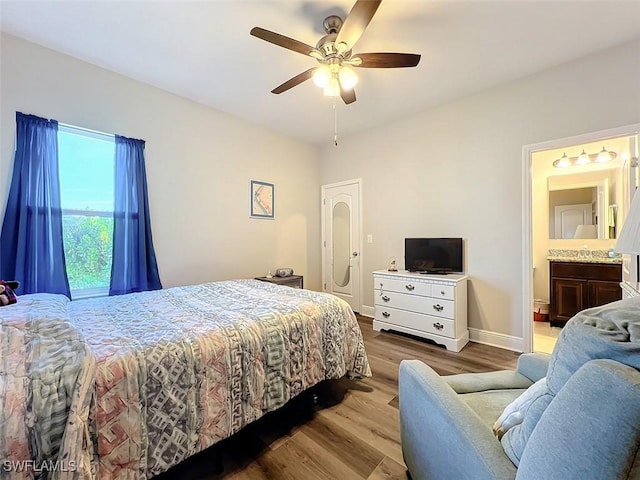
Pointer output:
x,y
335,124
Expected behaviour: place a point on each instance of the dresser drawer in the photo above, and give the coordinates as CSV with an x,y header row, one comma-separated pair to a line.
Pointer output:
x,y
403,301
403,286
447,292
417,321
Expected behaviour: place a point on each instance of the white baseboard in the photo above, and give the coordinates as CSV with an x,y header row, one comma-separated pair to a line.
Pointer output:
x,y
494,339
367,311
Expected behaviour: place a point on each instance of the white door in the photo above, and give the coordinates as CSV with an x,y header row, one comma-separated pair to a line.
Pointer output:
x,y
341,241
568,217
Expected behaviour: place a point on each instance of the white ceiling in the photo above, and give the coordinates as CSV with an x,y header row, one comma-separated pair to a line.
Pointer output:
x,y
203,50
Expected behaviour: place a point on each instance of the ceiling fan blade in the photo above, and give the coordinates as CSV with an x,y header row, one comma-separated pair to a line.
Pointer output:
x,y
355,24
285,42
292,82
384,60
348,96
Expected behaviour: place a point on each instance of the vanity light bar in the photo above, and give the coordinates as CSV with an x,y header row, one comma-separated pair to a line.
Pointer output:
x,y
585,158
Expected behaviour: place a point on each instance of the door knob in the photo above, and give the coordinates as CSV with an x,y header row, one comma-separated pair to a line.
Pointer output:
x,y
355,254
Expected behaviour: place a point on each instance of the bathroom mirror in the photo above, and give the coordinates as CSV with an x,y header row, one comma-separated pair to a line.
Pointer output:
x,y
585,205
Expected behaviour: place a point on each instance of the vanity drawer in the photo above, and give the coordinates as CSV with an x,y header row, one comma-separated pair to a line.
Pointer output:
x,y
417,321
432,306
404,286
588,271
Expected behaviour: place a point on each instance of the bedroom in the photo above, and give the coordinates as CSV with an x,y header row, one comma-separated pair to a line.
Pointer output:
x,y
460,162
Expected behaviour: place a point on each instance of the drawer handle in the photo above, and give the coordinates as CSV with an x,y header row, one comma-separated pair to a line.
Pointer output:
x,y
438,308
385,298
441,292
438,326
386,314
410,287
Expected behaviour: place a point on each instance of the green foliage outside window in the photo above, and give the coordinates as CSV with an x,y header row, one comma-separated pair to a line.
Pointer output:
x,y
88,243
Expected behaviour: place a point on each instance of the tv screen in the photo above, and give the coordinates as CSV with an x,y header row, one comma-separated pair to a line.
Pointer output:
x,y
433,255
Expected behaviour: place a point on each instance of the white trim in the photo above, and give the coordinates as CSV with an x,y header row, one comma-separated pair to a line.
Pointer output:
x,y
86,213
368,311
89,293
323,189
527,260
494,339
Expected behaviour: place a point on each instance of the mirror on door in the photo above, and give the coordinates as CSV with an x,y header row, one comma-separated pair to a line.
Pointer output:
x,y
341,243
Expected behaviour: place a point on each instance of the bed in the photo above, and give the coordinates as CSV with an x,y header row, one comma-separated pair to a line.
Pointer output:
x,y
128,386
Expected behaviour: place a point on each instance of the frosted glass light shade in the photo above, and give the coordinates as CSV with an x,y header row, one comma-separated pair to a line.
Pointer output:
x,y
583,158
603,156
629,238
322,76
586,231
348,77
562,162
333,88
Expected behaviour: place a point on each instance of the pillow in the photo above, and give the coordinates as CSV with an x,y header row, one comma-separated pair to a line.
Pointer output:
x,y
611,332
514,413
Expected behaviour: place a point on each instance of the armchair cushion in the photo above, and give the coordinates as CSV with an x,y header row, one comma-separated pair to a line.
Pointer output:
x,y
515,412
611,331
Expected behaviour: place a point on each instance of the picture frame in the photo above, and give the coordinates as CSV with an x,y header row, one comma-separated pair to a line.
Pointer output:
x,y
262,199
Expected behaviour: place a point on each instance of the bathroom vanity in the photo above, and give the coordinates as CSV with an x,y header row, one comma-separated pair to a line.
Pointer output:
x,y
577,284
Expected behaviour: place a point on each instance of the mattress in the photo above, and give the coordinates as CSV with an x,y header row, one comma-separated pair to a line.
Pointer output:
x,y
128,386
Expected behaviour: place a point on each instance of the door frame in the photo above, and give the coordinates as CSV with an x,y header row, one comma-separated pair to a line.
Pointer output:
x,y
323,242
527,217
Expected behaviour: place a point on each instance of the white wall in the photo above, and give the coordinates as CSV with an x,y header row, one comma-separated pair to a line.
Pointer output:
x,y
456,170
199,163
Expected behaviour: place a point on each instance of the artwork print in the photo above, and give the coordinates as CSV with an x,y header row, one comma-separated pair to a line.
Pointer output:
x,y
262,199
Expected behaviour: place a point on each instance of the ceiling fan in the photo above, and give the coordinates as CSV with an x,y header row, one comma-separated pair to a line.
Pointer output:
x,y
334,53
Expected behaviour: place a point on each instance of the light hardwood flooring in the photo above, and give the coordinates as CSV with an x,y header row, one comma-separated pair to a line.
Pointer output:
x,y
351,431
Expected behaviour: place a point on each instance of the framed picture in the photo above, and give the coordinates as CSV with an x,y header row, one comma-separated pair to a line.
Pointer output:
x,y
262,199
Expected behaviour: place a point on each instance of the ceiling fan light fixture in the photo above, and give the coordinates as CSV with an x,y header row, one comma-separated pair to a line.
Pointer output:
x,y
348,77
333,88
322,76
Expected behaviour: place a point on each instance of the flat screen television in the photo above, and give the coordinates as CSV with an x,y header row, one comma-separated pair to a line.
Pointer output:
x,y
433,255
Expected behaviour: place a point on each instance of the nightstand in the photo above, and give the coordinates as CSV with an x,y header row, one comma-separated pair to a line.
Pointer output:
x,y
294,281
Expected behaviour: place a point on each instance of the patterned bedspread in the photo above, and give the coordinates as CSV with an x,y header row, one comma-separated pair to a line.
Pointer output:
x,y
145,380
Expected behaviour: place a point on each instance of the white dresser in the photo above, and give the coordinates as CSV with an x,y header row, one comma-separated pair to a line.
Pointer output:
x,y
429,306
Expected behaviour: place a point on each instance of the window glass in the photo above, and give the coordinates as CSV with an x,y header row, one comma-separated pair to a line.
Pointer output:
x,y
86,163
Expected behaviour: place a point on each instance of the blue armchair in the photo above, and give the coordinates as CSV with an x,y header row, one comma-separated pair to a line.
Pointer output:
x,y
586,426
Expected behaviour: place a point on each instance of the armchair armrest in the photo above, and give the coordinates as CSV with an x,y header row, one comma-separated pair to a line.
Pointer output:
x,y
533,365
442,438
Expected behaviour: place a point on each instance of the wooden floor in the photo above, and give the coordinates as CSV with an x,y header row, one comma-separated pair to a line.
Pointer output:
x,y
343,429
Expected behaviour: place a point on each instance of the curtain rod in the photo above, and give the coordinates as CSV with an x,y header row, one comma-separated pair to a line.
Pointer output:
x,y
86,130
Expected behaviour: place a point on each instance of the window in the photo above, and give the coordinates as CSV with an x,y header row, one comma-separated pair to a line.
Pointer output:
x,y
86,165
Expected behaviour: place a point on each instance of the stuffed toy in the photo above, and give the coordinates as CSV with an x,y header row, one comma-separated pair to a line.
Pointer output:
x,y
7,294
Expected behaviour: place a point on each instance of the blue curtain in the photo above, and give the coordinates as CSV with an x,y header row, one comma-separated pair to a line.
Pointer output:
x,y
134,267
31,246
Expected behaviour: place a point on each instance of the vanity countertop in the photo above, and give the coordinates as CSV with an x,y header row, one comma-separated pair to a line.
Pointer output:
x,y
577,256
585,259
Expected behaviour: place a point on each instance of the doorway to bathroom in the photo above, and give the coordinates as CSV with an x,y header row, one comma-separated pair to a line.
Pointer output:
x,y
577,192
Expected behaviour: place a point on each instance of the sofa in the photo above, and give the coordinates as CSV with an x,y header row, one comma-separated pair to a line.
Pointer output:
x,y
576,413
